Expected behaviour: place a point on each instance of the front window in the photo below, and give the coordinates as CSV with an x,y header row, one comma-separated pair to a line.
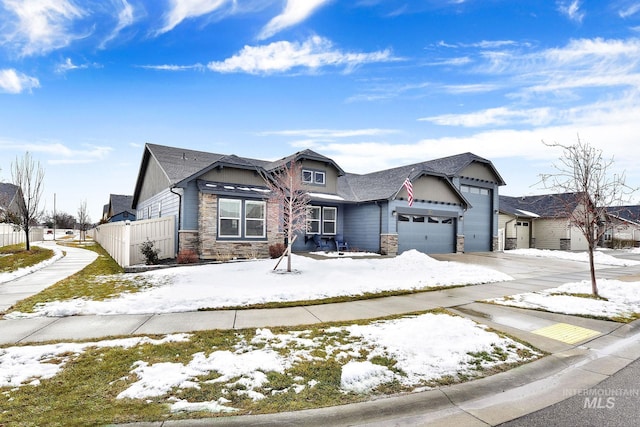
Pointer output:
x,y
314,177
313,220
229,218
307,176
329,220
242,218
255,219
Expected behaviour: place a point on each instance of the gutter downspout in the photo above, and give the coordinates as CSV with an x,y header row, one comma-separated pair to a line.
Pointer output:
x,y
179,216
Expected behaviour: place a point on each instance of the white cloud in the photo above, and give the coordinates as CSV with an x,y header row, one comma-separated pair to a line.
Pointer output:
x,y
59,153
571,10
494,117
314,53
331,133
185,9
294,12
172,67
126,18
630,10
41,26
12,81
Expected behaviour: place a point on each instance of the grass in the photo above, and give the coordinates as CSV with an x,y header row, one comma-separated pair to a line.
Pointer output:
x,y
14,257
96,281
85,391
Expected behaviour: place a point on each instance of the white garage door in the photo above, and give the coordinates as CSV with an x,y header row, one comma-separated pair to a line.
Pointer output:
x,y
428,234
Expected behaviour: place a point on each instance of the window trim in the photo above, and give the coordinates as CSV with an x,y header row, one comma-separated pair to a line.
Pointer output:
x,y
221,218
247,218
321,220
313,177
333,221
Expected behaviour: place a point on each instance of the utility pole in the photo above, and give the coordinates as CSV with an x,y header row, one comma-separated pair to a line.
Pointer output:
x,y
54,217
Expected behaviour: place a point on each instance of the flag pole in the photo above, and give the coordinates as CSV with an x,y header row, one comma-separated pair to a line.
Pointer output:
x,y
402,185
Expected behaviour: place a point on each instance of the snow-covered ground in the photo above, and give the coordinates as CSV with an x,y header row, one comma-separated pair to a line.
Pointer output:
x,y
425,348
622,299
600,257
6,277
189,288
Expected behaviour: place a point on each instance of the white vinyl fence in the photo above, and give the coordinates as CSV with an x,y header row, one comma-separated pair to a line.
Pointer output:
x,y
11,234
123,239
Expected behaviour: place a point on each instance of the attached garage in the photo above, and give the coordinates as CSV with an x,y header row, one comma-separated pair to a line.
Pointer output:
x,y
478,220
426,233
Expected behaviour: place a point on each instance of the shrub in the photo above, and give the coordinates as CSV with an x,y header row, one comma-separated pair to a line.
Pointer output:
x,y
150,253
276,250
187,256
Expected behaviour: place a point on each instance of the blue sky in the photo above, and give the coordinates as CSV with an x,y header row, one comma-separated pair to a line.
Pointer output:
x,y
372,84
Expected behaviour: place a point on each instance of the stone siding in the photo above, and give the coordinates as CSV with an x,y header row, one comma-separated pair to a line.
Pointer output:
x,y
460,243
223,250
389,244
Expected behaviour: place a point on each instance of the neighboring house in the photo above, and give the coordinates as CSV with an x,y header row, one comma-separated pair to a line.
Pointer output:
x,y
10,198
623,227
542,222
222,208
119,209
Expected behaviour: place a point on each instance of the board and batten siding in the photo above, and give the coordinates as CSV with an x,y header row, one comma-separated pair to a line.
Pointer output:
x,y
234,176
155,180
331,177
362,226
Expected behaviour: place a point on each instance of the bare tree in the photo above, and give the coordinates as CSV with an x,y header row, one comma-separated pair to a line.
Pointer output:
x,y
28,176
83,220
287,192
584,172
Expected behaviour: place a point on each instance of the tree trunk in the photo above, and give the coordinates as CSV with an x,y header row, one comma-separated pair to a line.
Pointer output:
x,y
28,243
592,267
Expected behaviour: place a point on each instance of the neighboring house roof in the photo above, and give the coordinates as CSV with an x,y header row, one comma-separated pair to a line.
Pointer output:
x,y
543,206
625,213
119,203
181,165
8,195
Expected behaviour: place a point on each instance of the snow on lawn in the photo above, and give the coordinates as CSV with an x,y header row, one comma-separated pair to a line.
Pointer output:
x,y
420,349
424,348
30,364
6,277
600,257
623,299
190,288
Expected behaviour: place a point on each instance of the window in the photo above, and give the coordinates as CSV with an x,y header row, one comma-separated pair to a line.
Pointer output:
x,y
254,222
229,217
322,220
404,218
313,220
319,178
242,218
314,177
329,220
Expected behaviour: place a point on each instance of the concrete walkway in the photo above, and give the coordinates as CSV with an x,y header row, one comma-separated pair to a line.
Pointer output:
x,y
570,367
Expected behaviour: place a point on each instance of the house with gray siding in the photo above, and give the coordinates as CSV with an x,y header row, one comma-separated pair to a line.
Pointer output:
x,y
222,206
119,209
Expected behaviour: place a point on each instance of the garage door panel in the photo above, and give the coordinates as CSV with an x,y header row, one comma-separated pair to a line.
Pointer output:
x,y
426,234
478,220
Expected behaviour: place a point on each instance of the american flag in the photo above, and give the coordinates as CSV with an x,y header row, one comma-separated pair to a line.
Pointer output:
x,y
409,186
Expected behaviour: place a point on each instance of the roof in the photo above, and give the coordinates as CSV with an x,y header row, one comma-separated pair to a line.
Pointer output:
x,y
625,213
8,193
120,203
544,206
382,185
181,165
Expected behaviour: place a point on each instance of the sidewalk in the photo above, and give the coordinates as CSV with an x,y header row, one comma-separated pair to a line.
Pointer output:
x,y
574,365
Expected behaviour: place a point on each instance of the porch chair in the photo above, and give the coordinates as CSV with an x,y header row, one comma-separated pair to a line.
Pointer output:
x,y
320,244
341,245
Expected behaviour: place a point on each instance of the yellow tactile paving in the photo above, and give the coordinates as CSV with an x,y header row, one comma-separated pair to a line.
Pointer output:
x,y
564,332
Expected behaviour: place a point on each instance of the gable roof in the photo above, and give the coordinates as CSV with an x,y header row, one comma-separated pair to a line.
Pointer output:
x,y
8,194
544,206
181,165
119,203
625,213
383,185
